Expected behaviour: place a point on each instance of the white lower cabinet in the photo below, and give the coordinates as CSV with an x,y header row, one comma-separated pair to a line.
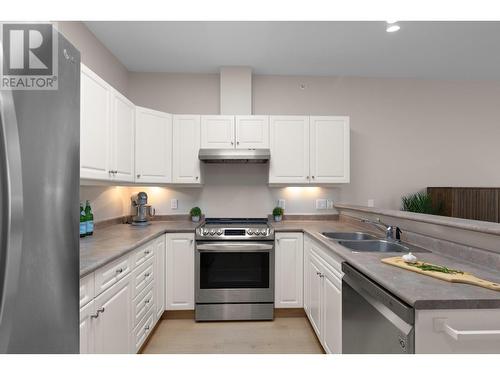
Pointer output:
x,y
122,310
113,324
289,261
323,295
180,271
474,331
86,329
160,282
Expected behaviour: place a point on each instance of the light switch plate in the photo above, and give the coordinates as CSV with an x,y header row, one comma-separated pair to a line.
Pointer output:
x,y
174,203
281,203
321,204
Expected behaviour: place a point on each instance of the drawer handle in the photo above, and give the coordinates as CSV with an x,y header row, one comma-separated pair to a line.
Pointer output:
x,y
146,301
147,252
147,274
146,328
96,315
459,335
119,270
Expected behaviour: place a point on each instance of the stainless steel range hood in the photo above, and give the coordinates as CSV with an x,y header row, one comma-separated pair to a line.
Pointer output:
x,y
231,155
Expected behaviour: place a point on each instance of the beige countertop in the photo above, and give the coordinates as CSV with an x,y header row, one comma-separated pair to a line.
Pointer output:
x,y
417,290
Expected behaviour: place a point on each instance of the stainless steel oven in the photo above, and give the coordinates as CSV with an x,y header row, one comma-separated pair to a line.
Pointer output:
x,y
234,279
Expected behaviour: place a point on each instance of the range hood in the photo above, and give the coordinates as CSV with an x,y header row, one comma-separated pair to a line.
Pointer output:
x,y
232,155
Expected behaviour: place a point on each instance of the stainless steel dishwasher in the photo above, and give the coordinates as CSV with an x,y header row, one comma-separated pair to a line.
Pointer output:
x,y
373,320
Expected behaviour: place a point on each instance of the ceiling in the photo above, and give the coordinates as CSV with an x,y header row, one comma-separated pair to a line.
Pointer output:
x,y
434,50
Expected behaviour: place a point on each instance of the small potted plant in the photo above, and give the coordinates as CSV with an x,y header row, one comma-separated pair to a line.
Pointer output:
x,y
278,213
195,214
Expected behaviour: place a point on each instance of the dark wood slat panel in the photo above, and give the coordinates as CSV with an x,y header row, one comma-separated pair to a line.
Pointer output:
x,y
468,202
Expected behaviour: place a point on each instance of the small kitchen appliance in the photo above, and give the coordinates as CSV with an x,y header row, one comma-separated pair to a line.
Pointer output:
x,y
234,270
142,210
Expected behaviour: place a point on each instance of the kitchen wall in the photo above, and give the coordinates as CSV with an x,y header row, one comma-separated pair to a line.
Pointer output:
x,y
406,134
94,54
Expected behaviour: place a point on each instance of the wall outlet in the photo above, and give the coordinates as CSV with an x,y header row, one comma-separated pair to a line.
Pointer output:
x,y
371,202
281,203
321,204
174,204
329,204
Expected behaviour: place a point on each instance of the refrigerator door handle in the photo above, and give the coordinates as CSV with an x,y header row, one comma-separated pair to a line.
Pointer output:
x,y
11,211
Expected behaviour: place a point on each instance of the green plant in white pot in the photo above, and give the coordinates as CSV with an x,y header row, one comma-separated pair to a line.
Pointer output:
x,y
195,214
278,213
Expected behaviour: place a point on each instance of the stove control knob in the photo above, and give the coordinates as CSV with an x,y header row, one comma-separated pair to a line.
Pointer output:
x,y
205,232
219,232
250,232
212,232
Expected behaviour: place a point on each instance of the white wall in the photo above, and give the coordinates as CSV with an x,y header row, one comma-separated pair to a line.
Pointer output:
x,y
107,201
232,190
406,134
94,54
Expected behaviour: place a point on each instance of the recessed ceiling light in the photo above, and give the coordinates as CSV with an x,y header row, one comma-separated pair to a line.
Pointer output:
x,y
392,26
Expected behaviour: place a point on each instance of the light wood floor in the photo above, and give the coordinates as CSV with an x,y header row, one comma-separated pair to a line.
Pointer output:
x,y
281,336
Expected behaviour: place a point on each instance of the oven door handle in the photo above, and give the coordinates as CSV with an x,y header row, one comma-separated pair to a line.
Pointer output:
x,y
234,247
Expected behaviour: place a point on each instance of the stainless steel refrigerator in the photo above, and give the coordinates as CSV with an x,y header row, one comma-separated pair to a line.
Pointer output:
x,y
39,207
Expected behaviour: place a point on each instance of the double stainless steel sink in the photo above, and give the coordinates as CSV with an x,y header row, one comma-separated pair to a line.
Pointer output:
x,y
365,242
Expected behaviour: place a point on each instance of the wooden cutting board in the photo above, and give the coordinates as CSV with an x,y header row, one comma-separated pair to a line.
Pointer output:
x,y
464,278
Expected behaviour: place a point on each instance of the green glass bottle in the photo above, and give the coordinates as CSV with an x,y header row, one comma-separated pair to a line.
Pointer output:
x,y
89,219
83,221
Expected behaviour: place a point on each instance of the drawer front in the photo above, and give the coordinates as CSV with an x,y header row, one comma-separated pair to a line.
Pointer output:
x,y
142,254
142,276
110,274
143,330
142,304
86,289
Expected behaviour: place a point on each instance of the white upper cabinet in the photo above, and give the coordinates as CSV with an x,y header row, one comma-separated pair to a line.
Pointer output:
x,y
309,150
123,134
289,144
329,145
153,146
217,131
252,132
95,129
186,145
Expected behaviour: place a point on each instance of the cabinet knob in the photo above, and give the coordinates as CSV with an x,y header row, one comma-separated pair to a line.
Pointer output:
x,y
119,270
238,142
307,177
232,143
313,177
138,176
147,274
197,177
146,328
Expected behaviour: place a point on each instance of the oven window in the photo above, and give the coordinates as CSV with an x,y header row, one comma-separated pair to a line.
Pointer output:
x,y
234,270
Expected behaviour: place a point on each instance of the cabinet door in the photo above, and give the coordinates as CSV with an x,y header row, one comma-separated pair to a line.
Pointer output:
x,y
123,134
307,246
95,126
180,271
329,147
186,145
160,276
331,307
314,291
289,144
113,326
217,131
153,146
252,131
289,270
86,328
